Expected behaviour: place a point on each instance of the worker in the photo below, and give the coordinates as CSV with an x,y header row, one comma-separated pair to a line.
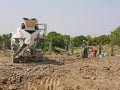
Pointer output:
x,y
94,50
39,45
85,49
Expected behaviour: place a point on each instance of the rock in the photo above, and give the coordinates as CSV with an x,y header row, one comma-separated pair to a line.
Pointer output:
x,y
93,78
86,77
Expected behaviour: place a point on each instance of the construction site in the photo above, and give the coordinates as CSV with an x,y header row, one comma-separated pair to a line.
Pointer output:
x,y
27,66
60,72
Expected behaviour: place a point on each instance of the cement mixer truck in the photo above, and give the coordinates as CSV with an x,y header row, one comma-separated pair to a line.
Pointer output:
x,y
27,43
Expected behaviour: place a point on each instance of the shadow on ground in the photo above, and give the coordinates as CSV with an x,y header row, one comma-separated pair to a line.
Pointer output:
x,y
49,61
43,61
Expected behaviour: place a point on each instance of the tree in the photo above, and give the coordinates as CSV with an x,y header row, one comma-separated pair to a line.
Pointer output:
x,y
91,40
104,39
78,40
116,35
56,39
66,37
5,39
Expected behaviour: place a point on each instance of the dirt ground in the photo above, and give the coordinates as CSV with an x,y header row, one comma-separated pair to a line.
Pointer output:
x,y
61,72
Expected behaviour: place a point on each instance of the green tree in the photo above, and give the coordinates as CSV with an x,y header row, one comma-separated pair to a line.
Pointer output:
x,y
6,40
78,40
116,35
56,39
104,39
66,37
91,40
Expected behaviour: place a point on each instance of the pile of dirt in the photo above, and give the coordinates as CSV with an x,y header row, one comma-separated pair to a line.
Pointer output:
x,y
61,72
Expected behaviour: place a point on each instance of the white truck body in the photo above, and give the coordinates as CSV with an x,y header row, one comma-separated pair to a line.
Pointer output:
x,y
24,41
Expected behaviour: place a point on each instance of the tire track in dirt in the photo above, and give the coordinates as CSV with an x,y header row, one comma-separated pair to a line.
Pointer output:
x,y
45,83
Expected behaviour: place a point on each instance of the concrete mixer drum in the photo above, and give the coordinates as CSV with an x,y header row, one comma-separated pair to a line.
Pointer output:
x,y
27,43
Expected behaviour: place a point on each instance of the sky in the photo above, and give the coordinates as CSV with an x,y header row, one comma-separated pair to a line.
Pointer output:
x,y
71,17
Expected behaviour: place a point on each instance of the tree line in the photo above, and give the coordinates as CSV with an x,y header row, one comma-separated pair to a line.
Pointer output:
x,y
58,40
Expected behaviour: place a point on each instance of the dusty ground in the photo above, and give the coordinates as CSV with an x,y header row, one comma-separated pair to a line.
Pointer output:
x,y
60,72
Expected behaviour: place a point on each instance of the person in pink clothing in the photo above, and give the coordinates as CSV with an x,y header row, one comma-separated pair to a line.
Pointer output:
x,y
94,50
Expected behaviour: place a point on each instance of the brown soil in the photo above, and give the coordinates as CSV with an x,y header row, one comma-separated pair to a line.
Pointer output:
x,y
60,72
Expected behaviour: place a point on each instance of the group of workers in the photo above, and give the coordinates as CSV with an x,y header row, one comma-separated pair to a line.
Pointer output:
x,y
87,48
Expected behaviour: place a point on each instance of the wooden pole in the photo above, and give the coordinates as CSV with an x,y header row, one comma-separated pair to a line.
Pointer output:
x,y
72,48
112,45
100,48
112,49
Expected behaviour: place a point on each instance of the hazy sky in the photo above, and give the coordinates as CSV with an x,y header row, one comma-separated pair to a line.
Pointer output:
x,y
73,17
